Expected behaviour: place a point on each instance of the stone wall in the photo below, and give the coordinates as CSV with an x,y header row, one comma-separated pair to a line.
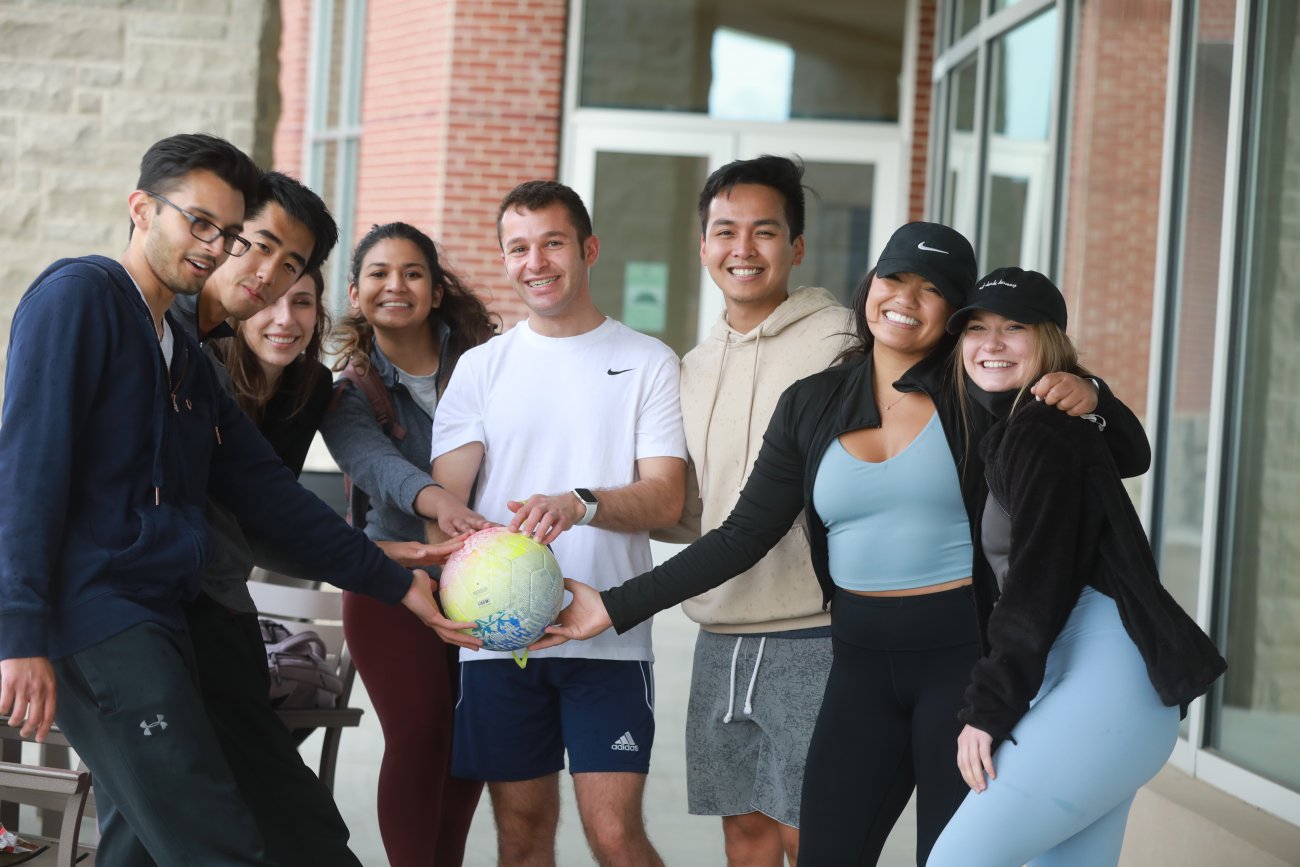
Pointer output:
x,y
87,85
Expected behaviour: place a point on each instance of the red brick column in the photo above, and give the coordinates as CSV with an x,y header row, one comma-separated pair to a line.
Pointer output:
x,y
295,44
1116,144
460,101
922,102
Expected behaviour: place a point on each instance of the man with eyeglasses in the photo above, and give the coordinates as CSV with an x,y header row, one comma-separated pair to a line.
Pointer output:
x,y
114,434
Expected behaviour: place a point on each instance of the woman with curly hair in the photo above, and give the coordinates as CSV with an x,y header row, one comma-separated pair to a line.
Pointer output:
x,y
410,320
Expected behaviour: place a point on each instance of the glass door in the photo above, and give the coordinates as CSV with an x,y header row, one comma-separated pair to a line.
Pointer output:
x,y
641,188
854,198
642,184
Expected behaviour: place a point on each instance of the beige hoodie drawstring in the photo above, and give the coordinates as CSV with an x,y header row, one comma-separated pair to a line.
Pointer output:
x,y
708,421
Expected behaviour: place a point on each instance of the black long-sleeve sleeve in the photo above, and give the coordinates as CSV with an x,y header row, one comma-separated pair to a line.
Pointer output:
x,y
770,502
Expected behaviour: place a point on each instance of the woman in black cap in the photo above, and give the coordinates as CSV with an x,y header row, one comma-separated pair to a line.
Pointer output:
x,y
874,453
1089,656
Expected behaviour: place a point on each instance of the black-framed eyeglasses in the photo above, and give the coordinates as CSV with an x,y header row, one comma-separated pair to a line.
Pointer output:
x,y
204,230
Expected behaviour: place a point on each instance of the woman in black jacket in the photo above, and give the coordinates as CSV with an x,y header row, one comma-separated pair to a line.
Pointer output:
x,y
873,452
1089,657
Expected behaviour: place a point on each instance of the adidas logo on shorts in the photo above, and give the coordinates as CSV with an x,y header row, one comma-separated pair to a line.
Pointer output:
x,y
626,744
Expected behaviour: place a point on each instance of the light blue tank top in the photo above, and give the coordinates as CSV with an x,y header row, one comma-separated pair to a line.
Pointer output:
x,y
897,524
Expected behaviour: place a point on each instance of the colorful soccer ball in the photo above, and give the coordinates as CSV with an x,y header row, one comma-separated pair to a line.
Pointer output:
x,y
506,583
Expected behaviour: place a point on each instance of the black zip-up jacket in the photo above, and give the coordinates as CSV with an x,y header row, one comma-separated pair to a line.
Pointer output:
x,y
108,457
1074,526
809,416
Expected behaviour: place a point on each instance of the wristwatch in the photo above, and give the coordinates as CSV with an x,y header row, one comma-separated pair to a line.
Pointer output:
x,y
588,500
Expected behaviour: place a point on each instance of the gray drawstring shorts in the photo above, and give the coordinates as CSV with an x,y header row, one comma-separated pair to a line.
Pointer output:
x,y
754,701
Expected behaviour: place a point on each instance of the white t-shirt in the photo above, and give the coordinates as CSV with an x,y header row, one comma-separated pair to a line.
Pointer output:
x,y
556,414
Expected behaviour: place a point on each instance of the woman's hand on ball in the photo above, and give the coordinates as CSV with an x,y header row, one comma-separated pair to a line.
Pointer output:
x,y
584,617
419,599
413,554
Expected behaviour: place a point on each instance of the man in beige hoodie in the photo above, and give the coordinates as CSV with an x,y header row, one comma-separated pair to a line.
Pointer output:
x,y
764,647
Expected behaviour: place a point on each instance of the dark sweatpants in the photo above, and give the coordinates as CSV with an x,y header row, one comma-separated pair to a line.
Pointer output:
x,y
888,724
294,810
131,709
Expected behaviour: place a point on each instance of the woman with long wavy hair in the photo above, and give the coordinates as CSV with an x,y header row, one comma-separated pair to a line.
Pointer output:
x,y
409,321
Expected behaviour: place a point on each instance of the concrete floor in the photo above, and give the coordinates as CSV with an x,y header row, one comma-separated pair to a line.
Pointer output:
x,y
682,839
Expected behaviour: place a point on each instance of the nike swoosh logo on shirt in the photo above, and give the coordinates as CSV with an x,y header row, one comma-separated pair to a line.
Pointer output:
x,y
613,372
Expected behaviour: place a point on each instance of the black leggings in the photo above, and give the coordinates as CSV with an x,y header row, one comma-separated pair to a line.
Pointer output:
x,y
888,724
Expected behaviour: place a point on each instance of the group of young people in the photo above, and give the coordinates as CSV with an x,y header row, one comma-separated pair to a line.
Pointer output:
x,y
915,565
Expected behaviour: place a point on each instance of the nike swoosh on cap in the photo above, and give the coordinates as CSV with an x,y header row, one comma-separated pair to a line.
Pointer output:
x,y
613,372
921,246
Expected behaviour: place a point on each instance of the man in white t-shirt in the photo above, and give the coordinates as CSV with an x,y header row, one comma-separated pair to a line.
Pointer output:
x,y
585,410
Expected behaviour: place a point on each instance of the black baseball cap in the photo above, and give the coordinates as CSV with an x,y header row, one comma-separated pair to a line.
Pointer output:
x,y
939,254
1025,296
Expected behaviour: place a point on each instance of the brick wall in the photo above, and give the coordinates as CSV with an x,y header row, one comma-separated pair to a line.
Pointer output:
x,y
1116,141
503,125
460,101
923,90
295,46
87,87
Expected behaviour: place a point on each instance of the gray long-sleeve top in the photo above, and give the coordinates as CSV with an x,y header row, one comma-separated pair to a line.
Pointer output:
x,y
392,473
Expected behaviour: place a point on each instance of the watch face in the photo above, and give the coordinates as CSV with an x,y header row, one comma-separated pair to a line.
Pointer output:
x,y
585,495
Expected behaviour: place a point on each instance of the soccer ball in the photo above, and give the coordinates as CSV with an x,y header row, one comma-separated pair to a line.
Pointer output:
x,y
506,583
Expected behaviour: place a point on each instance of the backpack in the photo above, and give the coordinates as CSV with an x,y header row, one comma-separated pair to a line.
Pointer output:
x,y
301,675
381,403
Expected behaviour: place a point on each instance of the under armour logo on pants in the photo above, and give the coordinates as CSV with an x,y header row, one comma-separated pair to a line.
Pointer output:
x,y
160,724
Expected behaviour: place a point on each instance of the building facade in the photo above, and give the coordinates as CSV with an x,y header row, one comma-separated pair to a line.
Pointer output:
x,y
1142,152
1145,153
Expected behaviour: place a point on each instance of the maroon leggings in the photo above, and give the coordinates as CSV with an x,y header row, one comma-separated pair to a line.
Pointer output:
x,y
412,677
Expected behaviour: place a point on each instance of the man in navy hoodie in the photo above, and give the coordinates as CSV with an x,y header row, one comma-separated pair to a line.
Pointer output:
x,y
114,433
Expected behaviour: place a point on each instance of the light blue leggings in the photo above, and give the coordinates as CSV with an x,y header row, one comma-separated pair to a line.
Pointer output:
x,y
1094,734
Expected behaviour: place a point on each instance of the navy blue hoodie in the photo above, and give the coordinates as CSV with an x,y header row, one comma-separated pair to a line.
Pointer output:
x,y
106,463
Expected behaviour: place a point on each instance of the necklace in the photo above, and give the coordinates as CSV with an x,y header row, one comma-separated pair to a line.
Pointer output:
x,y
897,401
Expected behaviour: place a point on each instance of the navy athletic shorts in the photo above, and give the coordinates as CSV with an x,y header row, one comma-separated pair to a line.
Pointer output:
x,y
515,723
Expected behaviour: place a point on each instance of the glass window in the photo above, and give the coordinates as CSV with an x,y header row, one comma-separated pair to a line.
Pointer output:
x,y
1193,291
1255,711
333,124
1019,157
966,14
644,212
827,59
961,180
837,231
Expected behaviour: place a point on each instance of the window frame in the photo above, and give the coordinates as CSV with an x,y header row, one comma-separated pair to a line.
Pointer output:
x,y
977,43
346,134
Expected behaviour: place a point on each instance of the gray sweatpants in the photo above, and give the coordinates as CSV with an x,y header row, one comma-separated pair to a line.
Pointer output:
x,y
131,709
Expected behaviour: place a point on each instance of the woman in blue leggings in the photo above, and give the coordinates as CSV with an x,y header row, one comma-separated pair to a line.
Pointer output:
x,y
1076,703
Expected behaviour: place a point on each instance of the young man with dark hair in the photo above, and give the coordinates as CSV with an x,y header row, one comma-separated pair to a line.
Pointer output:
x,y
764,648
582,408
114,434
290,231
